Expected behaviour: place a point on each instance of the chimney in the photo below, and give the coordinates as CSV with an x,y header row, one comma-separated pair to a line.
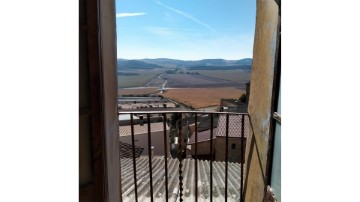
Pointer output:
x,y
152,152
141,122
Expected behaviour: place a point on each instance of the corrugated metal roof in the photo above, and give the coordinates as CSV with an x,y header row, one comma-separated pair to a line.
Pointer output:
x,y
143,180
234,126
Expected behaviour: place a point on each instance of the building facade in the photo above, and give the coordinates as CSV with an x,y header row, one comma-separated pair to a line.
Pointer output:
x,y
236,144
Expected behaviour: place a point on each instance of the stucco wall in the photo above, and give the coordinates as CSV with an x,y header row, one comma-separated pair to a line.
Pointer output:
x,y
141,140
203,148
234,155
260,100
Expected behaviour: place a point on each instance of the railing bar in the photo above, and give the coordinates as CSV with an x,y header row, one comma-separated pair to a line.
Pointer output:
x,y
175,111
211,153
180,153
150,157
166,169
180,158
196,159
242,157
226,156
134,157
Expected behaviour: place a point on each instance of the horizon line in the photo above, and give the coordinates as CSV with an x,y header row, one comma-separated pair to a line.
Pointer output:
x,y
185,59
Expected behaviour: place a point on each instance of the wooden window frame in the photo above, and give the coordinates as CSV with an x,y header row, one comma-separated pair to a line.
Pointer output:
x,y
101,50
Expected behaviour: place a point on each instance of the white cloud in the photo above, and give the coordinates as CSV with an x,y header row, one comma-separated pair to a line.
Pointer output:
x,y
172,33
162,32
121,15
171,28
184,14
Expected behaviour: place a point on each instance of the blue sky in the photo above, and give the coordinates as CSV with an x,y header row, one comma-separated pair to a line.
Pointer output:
x,y
185,29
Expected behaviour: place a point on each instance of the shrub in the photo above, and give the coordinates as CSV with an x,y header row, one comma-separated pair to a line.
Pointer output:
x,y
243,98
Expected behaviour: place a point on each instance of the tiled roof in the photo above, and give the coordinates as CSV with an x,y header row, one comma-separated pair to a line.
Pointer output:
x,y
203,136
220,131
126,150
205,123
143,180
234,126
138,129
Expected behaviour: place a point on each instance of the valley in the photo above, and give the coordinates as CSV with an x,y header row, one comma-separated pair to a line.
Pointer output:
x,y
197,84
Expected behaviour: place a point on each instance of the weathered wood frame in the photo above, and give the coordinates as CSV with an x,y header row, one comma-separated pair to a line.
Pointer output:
x,y
101,50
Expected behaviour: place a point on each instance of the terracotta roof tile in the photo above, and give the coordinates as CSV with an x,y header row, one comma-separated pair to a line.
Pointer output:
x,y
126,150
234,126
220,131
203,136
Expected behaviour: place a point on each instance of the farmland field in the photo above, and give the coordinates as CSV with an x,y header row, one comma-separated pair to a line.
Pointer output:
x,y
179,80
140,91
206,78
156,82
236,75
202,97
136,80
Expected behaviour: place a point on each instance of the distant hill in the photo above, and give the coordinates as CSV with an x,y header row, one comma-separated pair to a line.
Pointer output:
x,y
204,67
135,64
245,61
191,64
212,62
222,62
162,61
165,62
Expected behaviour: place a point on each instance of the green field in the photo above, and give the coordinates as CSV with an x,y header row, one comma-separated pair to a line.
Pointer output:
x,y
230,75
136,80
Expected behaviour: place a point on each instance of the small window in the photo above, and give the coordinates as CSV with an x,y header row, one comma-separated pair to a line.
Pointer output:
x,y
233,146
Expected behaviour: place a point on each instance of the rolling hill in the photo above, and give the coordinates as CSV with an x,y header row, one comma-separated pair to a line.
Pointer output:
x,y
196,64
135,64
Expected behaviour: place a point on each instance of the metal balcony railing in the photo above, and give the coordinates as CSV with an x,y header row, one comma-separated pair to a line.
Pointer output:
x,y
220,187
